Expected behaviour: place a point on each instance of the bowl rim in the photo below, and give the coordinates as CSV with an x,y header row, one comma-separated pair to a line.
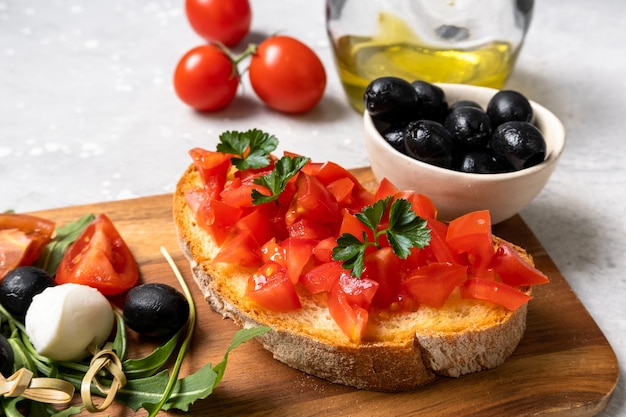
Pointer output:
x,y
545,115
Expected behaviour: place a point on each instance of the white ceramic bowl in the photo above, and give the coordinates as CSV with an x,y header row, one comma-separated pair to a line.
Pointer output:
x,y
456,193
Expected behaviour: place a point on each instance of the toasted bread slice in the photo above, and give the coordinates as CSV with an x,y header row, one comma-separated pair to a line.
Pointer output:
x,y
400,351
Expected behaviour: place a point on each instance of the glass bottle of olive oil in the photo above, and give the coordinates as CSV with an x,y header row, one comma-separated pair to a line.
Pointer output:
x,y
394,49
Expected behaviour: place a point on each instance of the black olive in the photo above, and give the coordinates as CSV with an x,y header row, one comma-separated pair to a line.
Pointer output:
x,y
6,357
155,310
431,101
470,128
521,144
479,162
430,142
465,103
508,106
19,286
394,135
391,99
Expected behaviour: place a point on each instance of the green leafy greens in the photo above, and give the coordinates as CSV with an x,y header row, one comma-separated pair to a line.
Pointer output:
x,y
404,231
276,181
252,148
150,384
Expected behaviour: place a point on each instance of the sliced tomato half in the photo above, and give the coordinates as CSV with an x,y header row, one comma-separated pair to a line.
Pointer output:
x,y
22,238
100,259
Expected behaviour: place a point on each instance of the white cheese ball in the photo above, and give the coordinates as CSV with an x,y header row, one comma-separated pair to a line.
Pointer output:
x,y
64,320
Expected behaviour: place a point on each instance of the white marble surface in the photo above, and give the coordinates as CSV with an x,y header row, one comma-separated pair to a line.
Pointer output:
x,y
88,114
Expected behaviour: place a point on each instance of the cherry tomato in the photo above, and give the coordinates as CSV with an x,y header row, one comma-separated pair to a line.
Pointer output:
x,y
287,75
225,21
206,78
100,259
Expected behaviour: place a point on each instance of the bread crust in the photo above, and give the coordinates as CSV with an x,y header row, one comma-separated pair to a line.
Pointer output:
x,y
400,352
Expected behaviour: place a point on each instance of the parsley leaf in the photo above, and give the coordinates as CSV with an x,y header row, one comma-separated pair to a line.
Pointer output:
x,y
405,231
276,181
252,148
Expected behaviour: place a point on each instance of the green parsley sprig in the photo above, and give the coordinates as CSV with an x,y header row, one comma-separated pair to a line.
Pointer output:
x,y
276,181
251,149
405,231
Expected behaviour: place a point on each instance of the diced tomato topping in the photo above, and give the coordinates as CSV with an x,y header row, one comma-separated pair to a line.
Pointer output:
x,y
240,249
470,234
312,201
348,304
291,241
271,288
431,284
513,269
494,292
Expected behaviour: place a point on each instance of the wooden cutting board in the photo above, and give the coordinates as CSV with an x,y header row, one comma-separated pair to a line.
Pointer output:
x,y
564,365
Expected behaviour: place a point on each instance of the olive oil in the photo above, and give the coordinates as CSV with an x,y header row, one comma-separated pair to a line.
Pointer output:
x,y
396,51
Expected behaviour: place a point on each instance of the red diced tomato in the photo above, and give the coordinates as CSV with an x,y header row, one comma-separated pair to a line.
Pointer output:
x,y
439,246
271,288
308,229
348,304
212,166
385,189
471,234
341,189
323,251
513,269
322,277
384,267
298,252
240,249
423,206
432,284
494,292
312,201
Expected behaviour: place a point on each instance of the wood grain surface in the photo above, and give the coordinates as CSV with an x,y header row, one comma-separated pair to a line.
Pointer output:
x,y
564,365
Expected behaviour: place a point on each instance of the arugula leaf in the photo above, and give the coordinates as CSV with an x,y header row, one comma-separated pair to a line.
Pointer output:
x,y
252,148
276,181
52,253
405,231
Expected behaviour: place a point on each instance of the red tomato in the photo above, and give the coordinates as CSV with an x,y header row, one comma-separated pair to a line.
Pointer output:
x,y
100,259
494,292
384,267
271,288
240,249
471,234
225,21
432,284
206,78
348,303
312,201
212,166
287,75
22,238
322,278
513,270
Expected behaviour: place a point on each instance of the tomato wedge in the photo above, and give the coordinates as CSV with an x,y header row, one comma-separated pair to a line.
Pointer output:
x,y
494,292
22,238
100,259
